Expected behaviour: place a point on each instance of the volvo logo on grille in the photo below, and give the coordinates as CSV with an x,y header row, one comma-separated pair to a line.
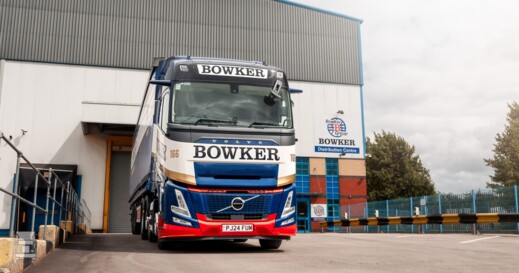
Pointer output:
x,y
237,203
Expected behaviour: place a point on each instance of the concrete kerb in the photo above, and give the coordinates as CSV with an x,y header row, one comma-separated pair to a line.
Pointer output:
x,y
9,260
52,234
12,259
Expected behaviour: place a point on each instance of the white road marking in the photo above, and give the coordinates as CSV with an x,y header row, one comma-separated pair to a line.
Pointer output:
x,y
475,240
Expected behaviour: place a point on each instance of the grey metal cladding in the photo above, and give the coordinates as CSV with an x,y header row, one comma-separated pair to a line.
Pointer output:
x,y
309,45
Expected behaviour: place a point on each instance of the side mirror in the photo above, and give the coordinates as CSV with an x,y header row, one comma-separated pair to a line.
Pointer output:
x,y
161,82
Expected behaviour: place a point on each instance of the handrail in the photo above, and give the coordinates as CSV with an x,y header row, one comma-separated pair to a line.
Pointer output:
x,y
67,203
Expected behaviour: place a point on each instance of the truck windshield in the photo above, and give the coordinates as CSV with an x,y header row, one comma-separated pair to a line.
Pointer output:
x,y
225,104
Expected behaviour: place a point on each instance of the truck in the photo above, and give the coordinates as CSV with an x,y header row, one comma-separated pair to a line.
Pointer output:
x,y
213,154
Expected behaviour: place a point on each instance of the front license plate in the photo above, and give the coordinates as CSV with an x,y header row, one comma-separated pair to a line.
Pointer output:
x,y
237,228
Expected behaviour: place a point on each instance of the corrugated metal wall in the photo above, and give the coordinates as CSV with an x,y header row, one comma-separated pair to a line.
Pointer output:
x,y
309,45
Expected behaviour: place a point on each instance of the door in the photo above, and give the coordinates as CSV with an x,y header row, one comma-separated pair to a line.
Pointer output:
x,y
118,212
303,215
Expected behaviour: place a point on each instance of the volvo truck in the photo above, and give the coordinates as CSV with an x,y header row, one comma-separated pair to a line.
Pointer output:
x,y
214,153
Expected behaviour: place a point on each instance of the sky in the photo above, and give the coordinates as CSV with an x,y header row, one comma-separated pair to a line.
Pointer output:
x,y
440,74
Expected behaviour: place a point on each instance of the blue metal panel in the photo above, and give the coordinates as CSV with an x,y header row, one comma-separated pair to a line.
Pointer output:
x,y
236,175
286,192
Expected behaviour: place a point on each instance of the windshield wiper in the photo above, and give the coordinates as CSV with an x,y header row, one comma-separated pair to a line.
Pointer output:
x,y
262,123
209,120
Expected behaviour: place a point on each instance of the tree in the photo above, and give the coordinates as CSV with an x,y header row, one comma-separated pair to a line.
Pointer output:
x,y
393,170
506,152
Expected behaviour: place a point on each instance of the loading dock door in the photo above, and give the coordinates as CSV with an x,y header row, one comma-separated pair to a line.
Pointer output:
x,y
118,212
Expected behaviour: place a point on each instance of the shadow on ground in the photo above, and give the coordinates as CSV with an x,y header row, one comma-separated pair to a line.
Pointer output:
x,y
133,243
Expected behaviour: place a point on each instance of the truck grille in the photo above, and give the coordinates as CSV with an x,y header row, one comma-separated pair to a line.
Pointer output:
x,y
220,204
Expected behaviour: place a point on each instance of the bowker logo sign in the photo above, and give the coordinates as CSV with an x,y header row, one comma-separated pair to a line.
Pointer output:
x,y
233,152
232,71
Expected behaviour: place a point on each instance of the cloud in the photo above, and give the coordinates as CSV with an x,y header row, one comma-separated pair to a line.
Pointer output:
x,y
440,74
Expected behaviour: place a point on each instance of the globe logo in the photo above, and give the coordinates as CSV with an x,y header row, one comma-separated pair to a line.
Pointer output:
x,y
336,127
319,211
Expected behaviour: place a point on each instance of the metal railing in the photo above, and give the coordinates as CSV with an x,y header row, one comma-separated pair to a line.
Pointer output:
x,y
502,200
69,203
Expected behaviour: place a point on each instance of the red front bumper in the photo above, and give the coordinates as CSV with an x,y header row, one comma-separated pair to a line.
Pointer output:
x,y
210,228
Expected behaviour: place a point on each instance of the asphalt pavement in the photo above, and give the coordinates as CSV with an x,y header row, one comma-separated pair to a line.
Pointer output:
x,y
315,252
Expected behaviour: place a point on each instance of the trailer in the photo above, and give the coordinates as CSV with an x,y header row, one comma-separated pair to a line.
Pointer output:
x,y
214,154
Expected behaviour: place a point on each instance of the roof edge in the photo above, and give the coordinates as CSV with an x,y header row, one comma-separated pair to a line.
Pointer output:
x,y
289,2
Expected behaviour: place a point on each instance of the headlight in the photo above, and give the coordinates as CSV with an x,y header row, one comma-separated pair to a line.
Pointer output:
x,y
182,208
288,209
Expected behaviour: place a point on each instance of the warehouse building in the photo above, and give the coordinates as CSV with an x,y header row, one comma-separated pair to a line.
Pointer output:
x,y
73,73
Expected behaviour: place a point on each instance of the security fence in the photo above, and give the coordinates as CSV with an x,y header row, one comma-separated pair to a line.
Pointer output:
x,y
60,202
502,200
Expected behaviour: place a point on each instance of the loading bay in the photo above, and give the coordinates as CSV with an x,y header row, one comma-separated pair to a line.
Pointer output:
x,y
314,252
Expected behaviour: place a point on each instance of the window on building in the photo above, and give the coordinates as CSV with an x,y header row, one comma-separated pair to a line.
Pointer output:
x,y
302,175
302,166
332,167
332,189
302,184
334,209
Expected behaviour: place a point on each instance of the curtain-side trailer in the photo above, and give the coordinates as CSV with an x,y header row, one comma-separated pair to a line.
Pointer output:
x,y
214,153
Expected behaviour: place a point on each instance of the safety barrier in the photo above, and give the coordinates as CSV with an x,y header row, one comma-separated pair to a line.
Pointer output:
x,y
69,203
462,218
501,200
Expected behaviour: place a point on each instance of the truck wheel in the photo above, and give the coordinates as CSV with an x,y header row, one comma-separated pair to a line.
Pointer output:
x,y
136,227
152,237
162,244
270,244
144,216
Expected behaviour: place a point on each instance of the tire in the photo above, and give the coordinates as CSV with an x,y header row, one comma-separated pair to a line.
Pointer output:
x,y
270,244
152,237
239,240
144,215
136,227
162,245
